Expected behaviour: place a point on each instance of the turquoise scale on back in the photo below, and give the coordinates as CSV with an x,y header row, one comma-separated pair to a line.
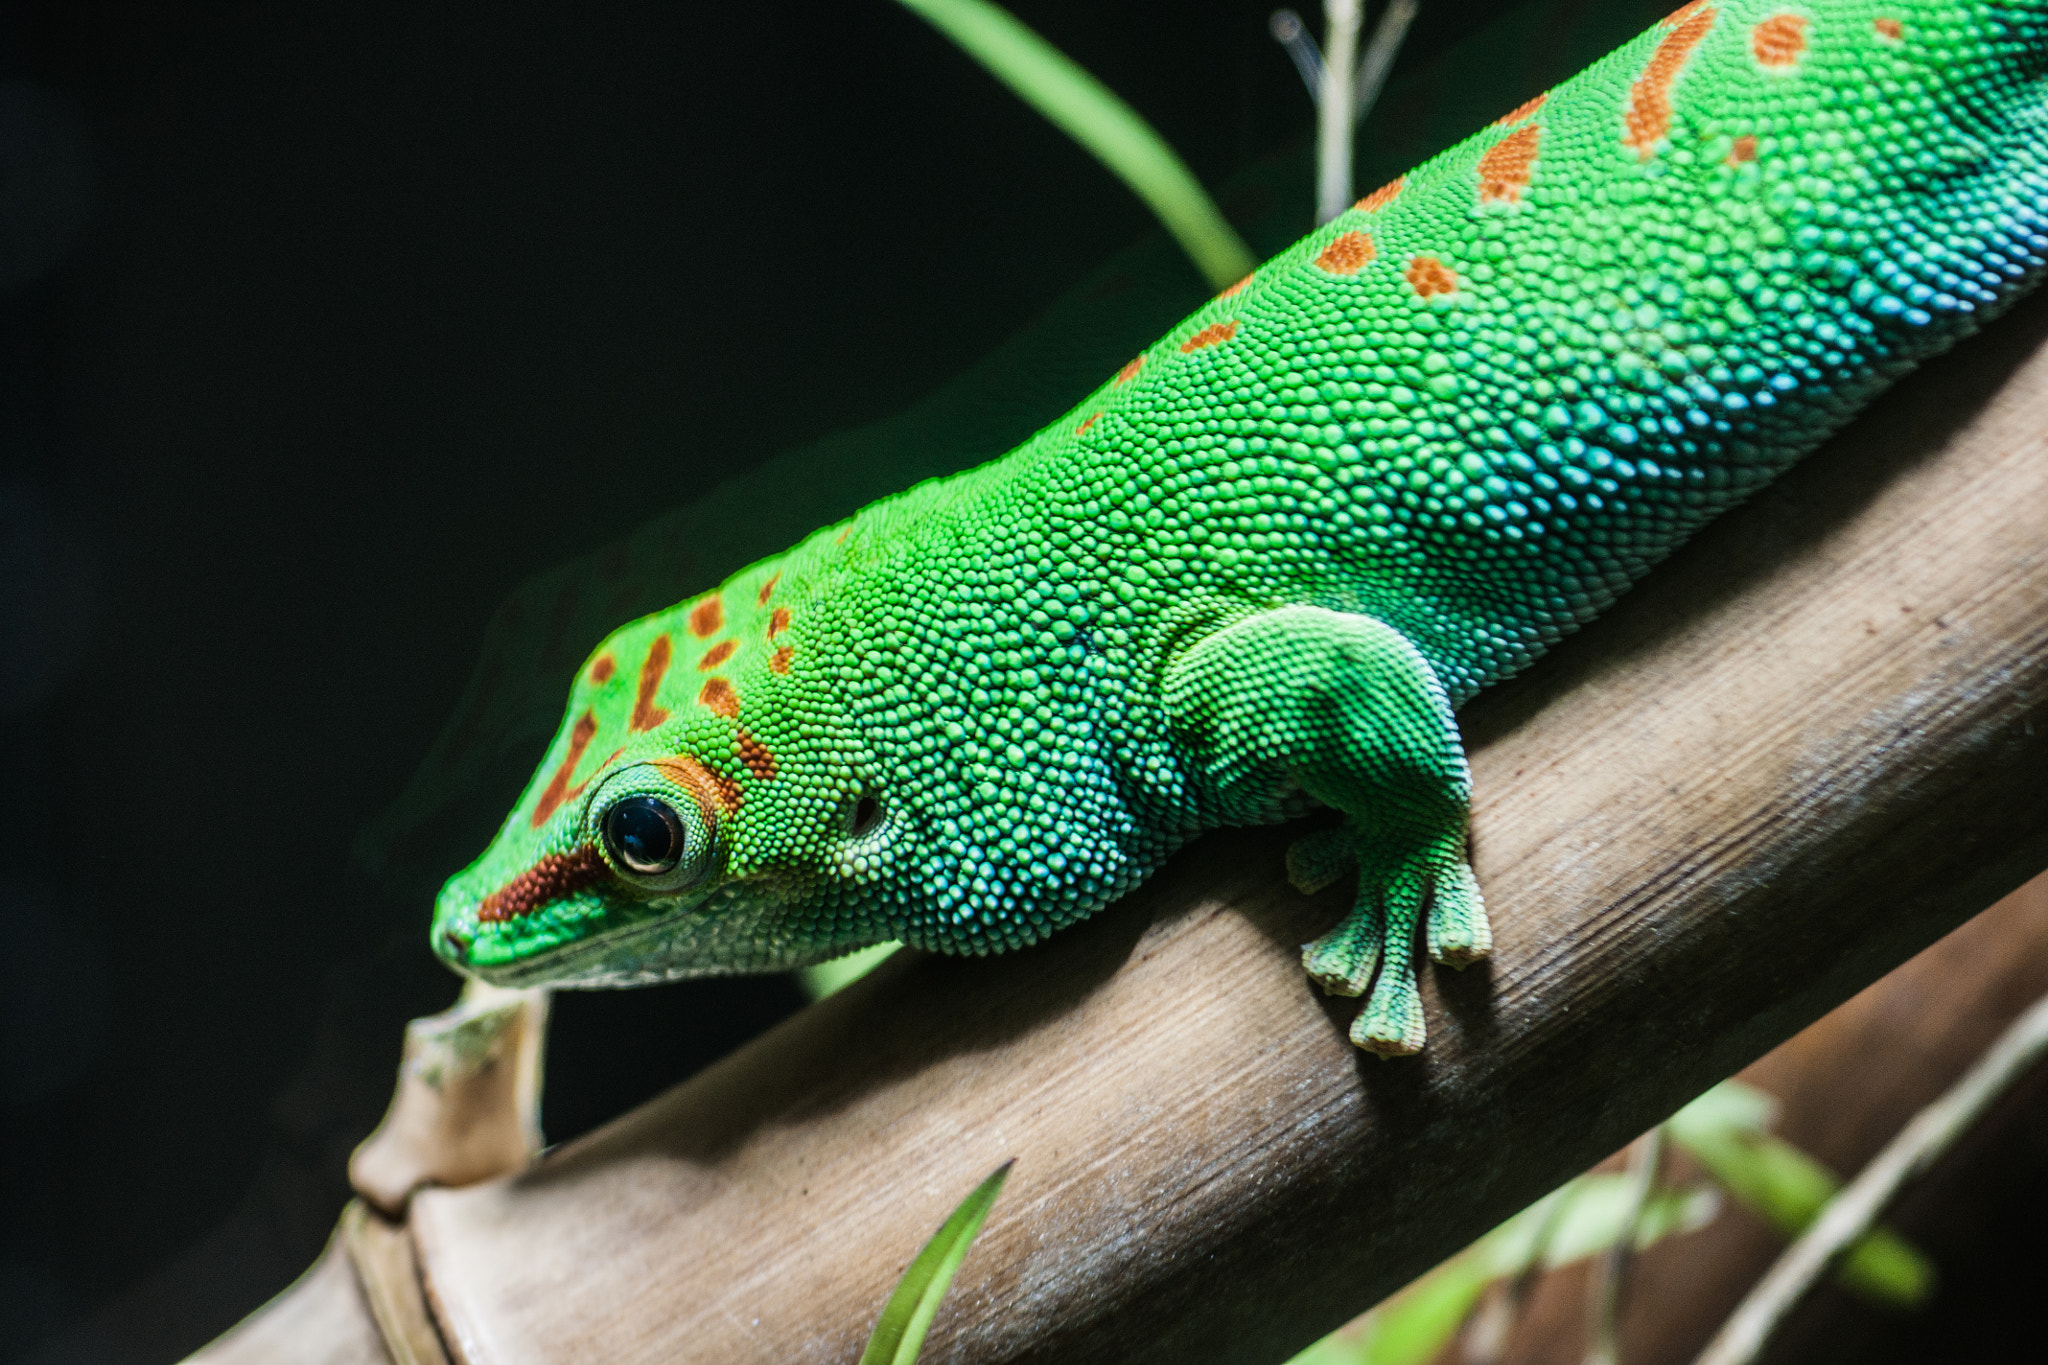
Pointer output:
x,y
1259,567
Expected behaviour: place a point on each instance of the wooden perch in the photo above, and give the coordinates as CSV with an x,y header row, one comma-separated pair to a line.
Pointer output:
x,y
1811,744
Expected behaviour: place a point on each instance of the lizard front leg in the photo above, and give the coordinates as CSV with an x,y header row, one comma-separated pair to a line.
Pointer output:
x,y
1344,705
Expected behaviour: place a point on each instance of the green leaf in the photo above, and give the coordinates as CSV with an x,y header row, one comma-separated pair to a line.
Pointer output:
x,y
1725,1131
1090,113
899,1334
821,979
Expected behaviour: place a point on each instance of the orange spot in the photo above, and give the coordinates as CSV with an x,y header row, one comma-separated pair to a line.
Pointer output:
x,y
1381,197
761,599
1093,418
715,793
547,881
1505,170
1743,150
706,618
1778,41
779,661
1648,119
1427,275
840,539
1526,109
717,695
717,655
1215,334
1347,255
754,754
646,715
602,670
1130,370
1234,290
1891,30
558,789
778,621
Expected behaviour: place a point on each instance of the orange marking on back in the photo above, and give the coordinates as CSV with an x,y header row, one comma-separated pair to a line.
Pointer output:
x,y
717,695
1093,418
1684,12
1347,255
1526,109
1215,334
1891,30
707,617
752,752
761,599
558,789
1778,41
779,661
840,539
778,621
602,670
1648,119
1427,275
646,715
1234,290
1130,370
717,655
1505,170
1743,150
715,793
1381,197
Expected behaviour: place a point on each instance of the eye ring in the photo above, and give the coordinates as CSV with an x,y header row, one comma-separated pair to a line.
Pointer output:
x,y
645,836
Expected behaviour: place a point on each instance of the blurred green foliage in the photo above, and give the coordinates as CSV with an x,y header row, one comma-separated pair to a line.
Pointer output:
x,y
899,1333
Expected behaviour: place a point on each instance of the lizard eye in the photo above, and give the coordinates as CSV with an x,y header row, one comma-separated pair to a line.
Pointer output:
x,y
645,835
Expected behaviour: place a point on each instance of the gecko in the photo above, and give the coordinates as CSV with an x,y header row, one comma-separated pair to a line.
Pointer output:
x,y
1258,570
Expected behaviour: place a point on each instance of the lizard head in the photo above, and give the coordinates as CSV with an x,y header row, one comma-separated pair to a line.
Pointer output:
x,y
696,795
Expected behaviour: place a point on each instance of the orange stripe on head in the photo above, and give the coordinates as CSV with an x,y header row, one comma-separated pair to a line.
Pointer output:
x,y
646,715
1130,370
558,789
717,695
602,670
1093,418
755,755
761,599
1648,118
1743,150
1891,30
1234,290
547,881
717,655
778,621
715,793
779,663
706,618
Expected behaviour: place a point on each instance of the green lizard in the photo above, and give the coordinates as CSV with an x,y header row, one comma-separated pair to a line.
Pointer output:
x,y
1260,567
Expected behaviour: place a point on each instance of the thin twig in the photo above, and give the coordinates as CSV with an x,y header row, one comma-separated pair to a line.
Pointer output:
x,y
1334,110
1379,56
1853,1212
1603,1327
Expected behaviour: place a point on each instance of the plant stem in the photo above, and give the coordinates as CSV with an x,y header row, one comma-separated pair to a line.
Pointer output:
x,y
1089,112
1852,1212
1335,109
1603,1326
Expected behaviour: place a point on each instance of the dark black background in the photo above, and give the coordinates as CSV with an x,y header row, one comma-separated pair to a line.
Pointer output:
x,y
327,325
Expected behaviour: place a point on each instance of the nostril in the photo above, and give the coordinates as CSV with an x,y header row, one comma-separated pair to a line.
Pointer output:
x,y
866,812
454,946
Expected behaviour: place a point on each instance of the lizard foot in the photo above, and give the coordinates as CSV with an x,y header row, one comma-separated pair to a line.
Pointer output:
x,y
1374,945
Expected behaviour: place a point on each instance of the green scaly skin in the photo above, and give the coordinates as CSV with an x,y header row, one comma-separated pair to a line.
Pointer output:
x,y
1260,567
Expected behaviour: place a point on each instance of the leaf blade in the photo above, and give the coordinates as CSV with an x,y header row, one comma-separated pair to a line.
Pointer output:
x,y
899,1332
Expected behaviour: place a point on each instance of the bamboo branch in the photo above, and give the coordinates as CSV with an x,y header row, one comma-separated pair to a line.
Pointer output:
x,y
1806,748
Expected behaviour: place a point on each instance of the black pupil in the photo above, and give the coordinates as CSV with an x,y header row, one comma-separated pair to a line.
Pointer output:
x,y
645,834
